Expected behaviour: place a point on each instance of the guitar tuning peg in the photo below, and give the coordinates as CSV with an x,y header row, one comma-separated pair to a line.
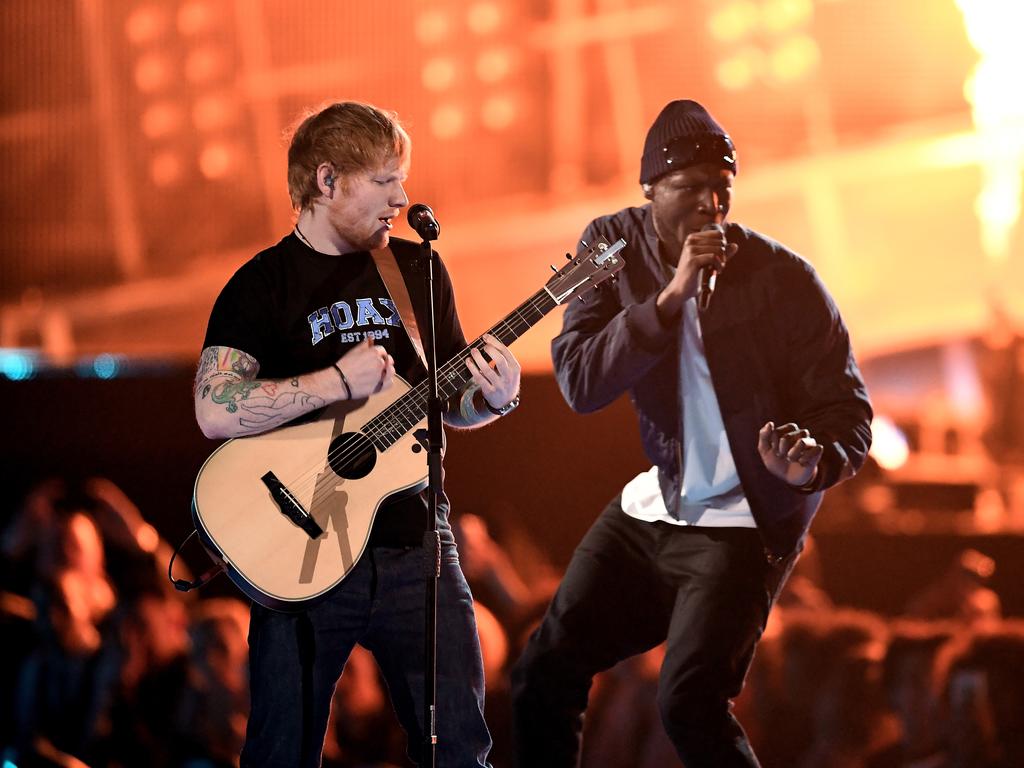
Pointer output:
x,y
552,267
568,257
581,300
584,243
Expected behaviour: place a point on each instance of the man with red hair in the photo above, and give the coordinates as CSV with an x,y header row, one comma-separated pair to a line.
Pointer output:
x,y
307,322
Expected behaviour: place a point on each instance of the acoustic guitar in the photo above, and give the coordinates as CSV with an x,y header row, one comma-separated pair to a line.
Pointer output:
x,y
287,514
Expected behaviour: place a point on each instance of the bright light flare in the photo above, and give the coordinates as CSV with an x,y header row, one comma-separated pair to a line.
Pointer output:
x,y
106,366
484,18
494,64
447,121
779,16
146,25
197,17
888,443
739,70
217,160
439,73
162,119
214,111
794,58
153,72
498,112
997,102
433,26
733,22
206,63
16,365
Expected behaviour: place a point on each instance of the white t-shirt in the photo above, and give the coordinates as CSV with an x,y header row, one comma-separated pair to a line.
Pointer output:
x,y
711,493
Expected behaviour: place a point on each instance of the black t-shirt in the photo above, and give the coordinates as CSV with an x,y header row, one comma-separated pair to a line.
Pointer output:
x,y
296,310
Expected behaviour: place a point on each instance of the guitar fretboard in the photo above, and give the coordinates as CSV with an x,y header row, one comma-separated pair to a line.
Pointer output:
x,y
388,426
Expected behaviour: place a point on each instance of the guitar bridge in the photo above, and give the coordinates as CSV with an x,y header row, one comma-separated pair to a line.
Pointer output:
x,y
290,507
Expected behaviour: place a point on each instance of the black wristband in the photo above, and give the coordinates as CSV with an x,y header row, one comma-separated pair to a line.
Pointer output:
x,y
344,381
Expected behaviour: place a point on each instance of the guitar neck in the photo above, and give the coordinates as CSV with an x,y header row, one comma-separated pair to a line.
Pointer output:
x,y
387,427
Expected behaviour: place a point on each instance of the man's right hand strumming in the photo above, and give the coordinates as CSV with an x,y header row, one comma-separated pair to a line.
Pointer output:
x,y
363,371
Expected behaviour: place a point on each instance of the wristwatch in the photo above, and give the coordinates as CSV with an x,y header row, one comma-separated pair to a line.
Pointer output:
x,y
507,408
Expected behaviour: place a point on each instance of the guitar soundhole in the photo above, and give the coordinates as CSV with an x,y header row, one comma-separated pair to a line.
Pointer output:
x,y
352,456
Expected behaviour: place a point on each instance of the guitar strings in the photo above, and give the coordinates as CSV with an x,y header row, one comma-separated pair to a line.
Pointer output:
x,y
452,372
381,425
411,405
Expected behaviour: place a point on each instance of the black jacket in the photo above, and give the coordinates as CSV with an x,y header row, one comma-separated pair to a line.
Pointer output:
x,y
776,348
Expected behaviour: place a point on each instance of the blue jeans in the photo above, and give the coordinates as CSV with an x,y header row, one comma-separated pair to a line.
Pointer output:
x,y
296,660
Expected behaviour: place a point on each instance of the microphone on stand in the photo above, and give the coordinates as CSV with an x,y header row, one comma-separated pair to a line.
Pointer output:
x,y
421,219
707,274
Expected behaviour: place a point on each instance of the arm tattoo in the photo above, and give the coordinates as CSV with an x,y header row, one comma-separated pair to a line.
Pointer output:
x,y
228,376
268,412
216,360
264,411
463,412
242,364
229,392
207,365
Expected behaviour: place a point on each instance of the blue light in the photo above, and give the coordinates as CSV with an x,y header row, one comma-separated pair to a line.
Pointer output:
x,y
16,366
106,366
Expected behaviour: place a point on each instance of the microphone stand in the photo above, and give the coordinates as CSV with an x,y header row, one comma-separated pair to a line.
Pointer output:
x,y
435,490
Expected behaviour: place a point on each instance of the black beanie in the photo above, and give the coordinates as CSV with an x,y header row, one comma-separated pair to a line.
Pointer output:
x,y
680,118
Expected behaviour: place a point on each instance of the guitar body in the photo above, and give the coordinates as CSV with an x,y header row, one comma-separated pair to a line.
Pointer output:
x,y
332,472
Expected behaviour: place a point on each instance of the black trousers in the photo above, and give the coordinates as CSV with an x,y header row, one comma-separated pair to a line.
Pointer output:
x,y
630,586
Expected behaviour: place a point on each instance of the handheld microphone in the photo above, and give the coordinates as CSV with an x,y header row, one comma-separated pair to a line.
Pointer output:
x,y
707,274
421,219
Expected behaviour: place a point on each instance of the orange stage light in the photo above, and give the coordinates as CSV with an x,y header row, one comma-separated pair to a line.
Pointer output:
x,y
153,72
165,168
217,160
198,17
206,63
484,18
162,119
146,25
214,111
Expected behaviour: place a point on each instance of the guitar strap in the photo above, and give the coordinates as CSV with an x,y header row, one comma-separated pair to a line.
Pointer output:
x,y
394,283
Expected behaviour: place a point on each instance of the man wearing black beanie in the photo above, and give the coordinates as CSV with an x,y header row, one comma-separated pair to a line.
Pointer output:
x,y
750,405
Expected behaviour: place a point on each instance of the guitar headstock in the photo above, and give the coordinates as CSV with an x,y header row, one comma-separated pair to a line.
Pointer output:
x,y
586,270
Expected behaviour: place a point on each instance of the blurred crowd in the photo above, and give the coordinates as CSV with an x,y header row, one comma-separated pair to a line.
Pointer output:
x,y
106,664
